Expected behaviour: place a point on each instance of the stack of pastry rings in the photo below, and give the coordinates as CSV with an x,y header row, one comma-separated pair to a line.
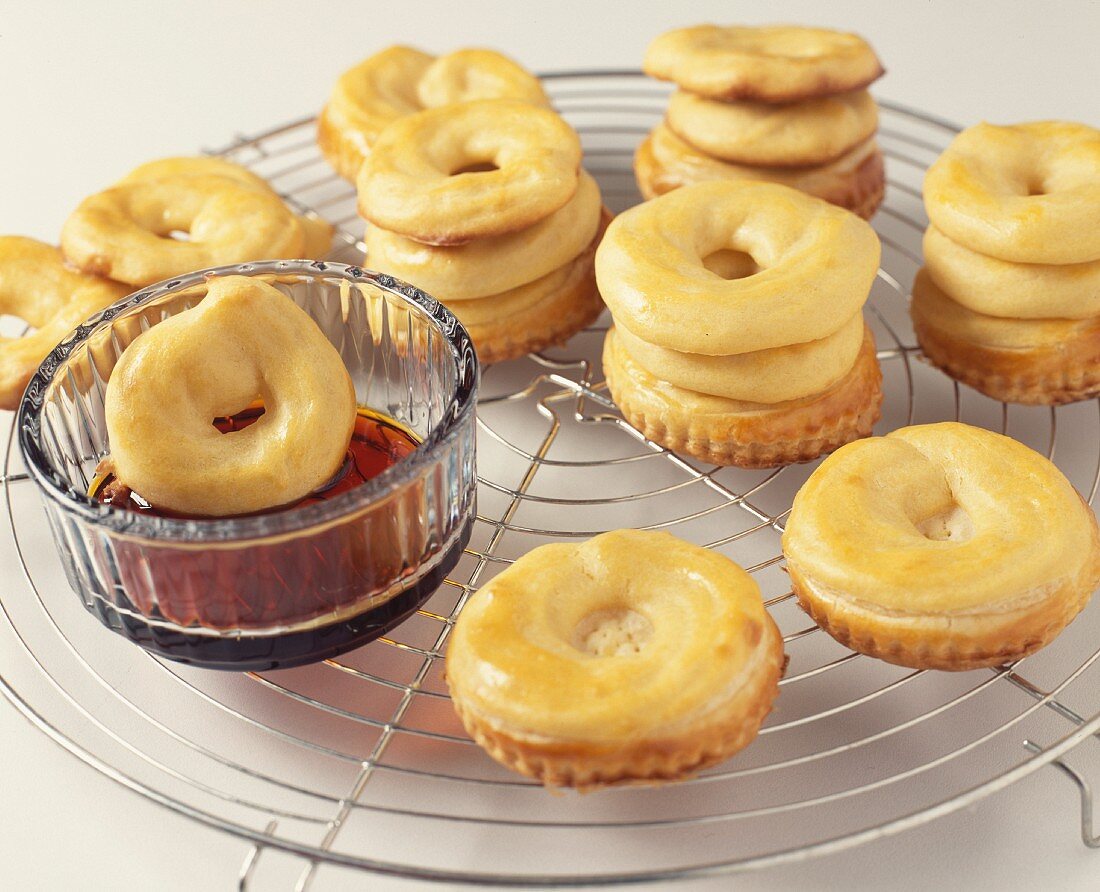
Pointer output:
x,y
1009,299
484,206
401,81
783,104
738,335
229,214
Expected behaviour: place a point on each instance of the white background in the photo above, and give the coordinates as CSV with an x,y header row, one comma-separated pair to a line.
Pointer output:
x,y
88,91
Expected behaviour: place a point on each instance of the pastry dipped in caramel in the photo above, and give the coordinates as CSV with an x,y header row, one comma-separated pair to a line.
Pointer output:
x,y
237,407
245,342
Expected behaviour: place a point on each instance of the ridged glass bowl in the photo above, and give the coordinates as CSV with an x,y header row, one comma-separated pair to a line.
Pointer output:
x,y
282,588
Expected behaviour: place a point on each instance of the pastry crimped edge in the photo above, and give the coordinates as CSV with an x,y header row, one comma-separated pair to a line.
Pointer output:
x,y
774,435
861,191
584,765
1045,375
952,641
551,321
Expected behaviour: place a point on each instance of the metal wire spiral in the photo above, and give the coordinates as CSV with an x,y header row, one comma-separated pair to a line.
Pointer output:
x,y
360,762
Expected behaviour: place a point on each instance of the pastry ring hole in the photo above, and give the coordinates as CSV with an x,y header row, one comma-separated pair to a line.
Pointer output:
x,y
728,263
1036,186
612,632
235,422
952,525
475,167
12,324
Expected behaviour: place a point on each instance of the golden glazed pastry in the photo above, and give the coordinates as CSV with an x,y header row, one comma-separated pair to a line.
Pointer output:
x,y
781,63
653,275
186,165
855,181
230,216
1009,301
244,341
1032,361
941,546
317,233
812,132
401,81
772,375
634,656
37,286
1028,193
995,287
493,265
767,365
522,164
502,248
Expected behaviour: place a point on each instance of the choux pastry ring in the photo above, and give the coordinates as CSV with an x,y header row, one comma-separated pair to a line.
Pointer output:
x,y
244,341
417,181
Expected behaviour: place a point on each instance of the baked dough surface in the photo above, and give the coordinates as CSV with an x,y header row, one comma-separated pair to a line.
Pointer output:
x,y
37,286
413,182
489,266
816,264
815,131
1010,290
941,546
1026,193
734,432
778,63
1031,361
230,216
400,81
632,656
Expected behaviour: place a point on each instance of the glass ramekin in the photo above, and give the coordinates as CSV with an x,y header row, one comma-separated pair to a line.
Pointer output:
x,y
284,588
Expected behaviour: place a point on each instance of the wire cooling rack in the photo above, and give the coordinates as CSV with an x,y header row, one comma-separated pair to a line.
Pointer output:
x,y
360,762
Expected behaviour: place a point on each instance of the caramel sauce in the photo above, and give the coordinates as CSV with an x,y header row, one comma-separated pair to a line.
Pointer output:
x,y
377,443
